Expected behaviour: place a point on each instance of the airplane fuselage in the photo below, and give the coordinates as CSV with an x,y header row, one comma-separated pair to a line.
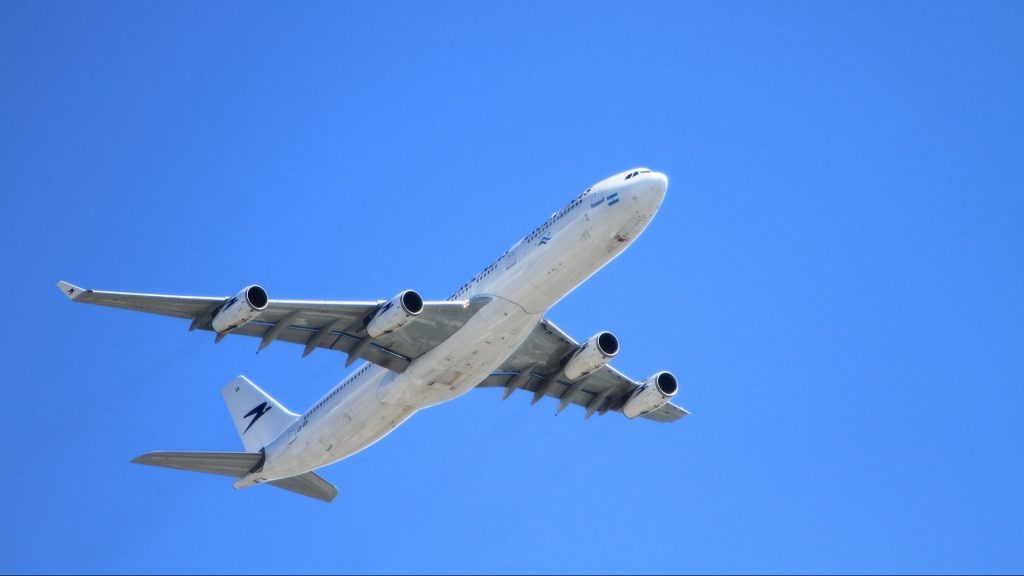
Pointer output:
x,y
522,284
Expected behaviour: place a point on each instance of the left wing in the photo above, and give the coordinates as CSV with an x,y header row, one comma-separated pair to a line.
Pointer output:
x,y
340,326
537,367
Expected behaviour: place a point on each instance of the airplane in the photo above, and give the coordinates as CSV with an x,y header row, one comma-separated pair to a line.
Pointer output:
x,y
491,332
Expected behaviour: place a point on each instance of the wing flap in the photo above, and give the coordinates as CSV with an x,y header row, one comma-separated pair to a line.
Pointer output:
x,y
337,340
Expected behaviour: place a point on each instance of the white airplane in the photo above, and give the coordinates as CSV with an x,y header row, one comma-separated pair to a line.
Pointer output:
x,y
490,333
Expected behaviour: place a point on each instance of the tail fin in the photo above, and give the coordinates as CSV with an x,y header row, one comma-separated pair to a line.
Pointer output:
x,y
238,464
258,417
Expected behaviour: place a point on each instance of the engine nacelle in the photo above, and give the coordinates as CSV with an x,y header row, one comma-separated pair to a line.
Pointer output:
x,y
240,308
395,314
654,393
593,354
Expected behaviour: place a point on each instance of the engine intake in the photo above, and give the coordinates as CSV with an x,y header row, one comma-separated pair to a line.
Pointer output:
x,y
594,353
240,308
654,393
395,314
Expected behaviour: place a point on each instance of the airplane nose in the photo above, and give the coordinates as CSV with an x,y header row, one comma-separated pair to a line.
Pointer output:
x,y
649,191
658,182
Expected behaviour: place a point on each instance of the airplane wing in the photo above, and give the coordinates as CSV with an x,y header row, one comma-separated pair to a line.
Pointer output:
x,y
315,324
537,367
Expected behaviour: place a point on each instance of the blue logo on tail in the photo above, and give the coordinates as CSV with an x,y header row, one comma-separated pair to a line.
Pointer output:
x,y
258,412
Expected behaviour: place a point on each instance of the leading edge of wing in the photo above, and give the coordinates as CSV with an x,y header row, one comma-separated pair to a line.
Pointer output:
x,y
77,293
163,304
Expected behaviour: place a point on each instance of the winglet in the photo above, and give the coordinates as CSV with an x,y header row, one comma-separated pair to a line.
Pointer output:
x,y
70,290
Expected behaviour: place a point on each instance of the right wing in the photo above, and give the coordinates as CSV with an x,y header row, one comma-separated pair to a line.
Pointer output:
x,y
315,324
537,367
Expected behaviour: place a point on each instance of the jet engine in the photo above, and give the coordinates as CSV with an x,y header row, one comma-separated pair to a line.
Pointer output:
x,y
593,354
395,314
240,308
652,394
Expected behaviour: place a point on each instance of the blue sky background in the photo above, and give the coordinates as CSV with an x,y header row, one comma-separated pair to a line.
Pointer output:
x,y
836,275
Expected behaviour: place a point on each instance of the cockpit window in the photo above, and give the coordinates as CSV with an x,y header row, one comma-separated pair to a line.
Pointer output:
x,y
636,172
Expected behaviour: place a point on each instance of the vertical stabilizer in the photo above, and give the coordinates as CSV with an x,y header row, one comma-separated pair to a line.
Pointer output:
x,y
258,417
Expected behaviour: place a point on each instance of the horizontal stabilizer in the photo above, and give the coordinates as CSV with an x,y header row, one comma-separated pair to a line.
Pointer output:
x,y
234,464
237,465
308,484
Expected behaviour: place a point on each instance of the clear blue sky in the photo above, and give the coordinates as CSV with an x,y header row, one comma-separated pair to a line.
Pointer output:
x,y
837,276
